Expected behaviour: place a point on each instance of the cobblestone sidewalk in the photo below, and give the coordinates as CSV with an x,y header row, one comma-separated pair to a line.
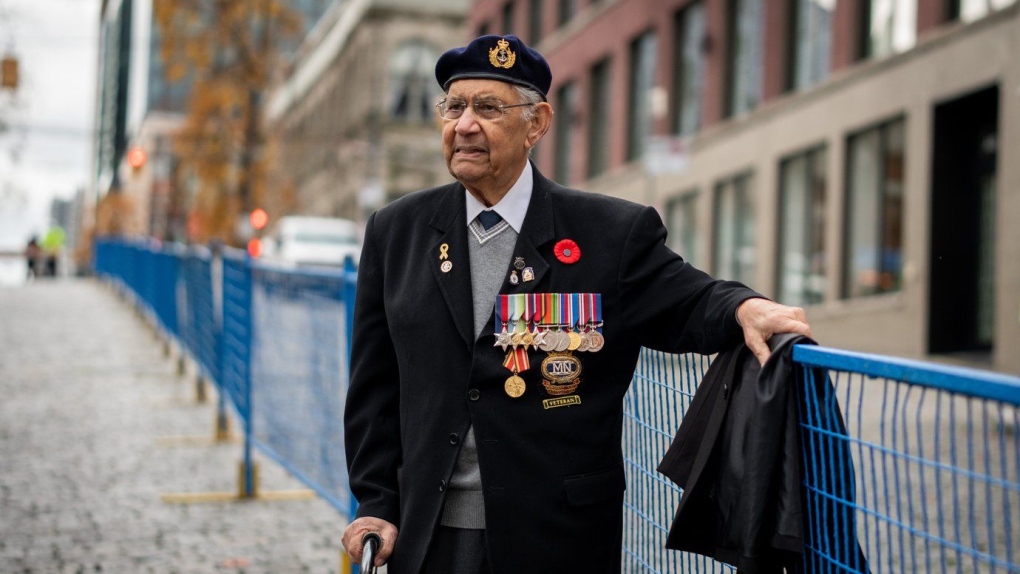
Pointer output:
x,y
89,411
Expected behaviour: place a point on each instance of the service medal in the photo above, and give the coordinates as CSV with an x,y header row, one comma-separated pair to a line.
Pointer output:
x,y
595,341
573,341
514,386
527,339
585,343
549,341
562,341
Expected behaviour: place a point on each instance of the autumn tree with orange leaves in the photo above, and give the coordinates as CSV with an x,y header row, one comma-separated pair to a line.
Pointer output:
x,y
228,49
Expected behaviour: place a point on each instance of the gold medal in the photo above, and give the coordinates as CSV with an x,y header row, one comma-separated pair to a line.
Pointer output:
x,y
527,339
514,386
574,341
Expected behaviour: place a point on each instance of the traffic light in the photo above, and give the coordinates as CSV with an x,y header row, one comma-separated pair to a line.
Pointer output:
x,y
258,218
254,247
136,158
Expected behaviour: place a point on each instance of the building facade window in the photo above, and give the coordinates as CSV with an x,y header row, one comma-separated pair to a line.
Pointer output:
x,y
598,119
642,80
971,10
682,224
508,17
876,161
810,42
803,191
566,109
689,71
744,61
733,244
413,89
534,21
890,27
566,12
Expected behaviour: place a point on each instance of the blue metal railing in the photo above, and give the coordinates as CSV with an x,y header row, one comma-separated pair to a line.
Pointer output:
x,y
918,463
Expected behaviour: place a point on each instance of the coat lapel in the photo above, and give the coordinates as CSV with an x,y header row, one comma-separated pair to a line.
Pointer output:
x,y
455,284
535,233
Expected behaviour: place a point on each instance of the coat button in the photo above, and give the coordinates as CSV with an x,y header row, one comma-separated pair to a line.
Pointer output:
x,y
454,439
442,485
474,394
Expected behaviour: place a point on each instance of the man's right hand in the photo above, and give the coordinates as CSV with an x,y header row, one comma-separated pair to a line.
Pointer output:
x,y
357,530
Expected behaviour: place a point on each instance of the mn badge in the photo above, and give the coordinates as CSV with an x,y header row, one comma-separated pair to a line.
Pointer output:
x,y
561,374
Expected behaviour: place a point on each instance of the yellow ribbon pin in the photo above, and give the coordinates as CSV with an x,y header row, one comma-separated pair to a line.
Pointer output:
x,y
442,251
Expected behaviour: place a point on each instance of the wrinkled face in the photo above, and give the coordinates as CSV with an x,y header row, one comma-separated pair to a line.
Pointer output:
x,y
487,156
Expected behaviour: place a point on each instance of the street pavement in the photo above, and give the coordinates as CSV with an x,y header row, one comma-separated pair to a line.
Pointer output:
x,y
96,424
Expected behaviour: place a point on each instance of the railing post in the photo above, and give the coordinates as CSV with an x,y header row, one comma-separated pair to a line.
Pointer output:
x,y
250,472
350,286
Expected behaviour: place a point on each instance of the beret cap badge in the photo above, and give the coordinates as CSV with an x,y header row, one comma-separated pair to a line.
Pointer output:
x,y
501,56
504,58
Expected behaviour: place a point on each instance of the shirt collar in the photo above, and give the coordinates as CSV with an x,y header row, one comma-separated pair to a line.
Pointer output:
x,y
514,205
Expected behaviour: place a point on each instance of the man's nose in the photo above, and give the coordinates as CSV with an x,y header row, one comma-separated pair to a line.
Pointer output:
x,y
468,121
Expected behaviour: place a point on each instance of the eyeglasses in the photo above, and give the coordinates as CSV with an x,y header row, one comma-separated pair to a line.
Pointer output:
x,y
485,109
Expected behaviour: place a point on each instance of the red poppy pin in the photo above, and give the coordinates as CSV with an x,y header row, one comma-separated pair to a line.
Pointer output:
x,y
567,251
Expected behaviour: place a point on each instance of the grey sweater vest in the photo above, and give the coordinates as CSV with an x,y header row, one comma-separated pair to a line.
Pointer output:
x,y
490,260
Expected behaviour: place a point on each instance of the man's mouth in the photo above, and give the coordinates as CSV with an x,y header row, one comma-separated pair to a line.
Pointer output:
x,y
469,149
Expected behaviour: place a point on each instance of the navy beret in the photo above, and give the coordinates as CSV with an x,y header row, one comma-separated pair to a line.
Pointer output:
x,y
504,58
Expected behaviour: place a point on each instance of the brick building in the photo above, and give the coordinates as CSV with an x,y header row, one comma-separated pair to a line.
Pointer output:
x,y
849,157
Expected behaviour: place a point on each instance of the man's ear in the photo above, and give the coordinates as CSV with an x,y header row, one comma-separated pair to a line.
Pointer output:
x,y
540,124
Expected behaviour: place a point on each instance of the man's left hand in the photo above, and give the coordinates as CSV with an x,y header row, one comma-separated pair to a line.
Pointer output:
x,y
762,318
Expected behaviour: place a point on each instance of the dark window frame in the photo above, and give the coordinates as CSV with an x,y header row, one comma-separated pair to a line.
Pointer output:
x,y
809,154
846,264
599,107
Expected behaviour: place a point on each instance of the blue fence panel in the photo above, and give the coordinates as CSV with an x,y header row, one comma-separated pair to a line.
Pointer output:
x,y
659,395
235,368
935,462
165,289
300,375
201,333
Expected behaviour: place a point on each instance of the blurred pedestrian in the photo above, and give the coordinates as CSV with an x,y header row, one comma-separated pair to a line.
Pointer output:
x,y
33,255
53,247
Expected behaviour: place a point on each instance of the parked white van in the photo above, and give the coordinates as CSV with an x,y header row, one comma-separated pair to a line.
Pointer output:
x,y
307,240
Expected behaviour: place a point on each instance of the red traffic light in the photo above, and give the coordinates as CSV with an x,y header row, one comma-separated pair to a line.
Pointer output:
x,y
136,157
254,247
258,218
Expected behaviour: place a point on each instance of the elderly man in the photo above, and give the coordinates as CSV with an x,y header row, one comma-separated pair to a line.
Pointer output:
x,y
497,327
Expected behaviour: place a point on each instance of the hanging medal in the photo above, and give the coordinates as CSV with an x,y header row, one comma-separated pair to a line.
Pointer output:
x,y
596,340
538,304
582,323
562,339
516,312
528,338
516,362
574,340
502,318
549,317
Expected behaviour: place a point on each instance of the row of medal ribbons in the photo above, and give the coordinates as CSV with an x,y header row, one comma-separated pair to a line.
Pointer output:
x,y
552,322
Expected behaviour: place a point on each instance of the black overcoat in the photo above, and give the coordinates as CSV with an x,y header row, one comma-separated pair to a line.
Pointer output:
x,y
553,478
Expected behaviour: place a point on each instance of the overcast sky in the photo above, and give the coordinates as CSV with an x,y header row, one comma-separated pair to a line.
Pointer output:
x,y
46,153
